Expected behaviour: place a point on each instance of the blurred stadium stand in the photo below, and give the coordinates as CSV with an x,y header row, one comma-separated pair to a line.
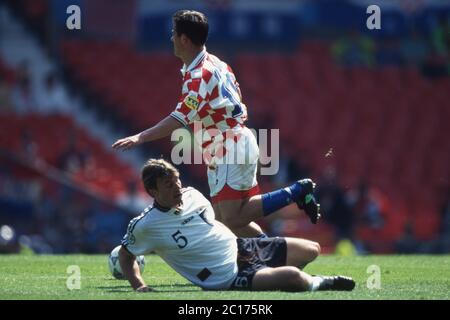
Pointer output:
x,y
371,107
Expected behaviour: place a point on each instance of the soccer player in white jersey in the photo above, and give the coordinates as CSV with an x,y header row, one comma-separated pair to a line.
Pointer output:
x,y
211,96
181,228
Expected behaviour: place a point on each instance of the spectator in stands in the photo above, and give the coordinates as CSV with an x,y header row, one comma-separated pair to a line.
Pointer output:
x,y
441,37
407,244
441,46
439,244
354,49
105,223
300,165
44,208
444,235
413,49
52,99
437,63
367,205
72,159
74,222
29,148
5,97
442,241
282,177
291,165
133,200
389,53
23,96
36,243
334,204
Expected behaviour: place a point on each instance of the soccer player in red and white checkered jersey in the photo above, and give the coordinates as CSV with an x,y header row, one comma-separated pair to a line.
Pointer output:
x,y
211,96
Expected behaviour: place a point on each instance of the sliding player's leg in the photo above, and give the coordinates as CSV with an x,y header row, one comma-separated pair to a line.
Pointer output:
x,y
292,279
271,264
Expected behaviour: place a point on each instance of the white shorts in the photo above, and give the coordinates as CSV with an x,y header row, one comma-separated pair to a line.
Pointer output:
x,y
234,177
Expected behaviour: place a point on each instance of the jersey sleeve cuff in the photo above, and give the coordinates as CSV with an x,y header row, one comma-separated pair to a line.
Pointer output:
x,y
179,119
126,249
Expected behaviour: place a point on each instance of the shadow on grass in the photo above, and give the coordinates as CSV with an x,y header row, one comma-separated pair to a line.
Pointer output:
x,y
156,288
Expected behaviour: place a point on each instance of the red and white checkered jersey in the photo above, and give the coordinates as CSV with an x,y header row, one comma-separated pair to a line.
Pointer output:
x,y
210,95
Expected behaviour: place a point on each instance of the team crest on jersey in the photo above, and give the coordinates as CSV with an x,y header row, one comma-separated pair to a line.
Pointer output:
x,y
191,102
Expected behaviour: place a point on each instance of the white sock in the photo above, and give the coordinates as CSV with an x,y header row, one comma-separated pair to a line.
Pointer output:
x,y
315,283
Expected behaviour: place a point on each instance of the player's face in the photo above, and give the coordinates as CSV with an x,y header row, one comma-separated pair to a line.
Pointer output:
x,y
176,43
168,193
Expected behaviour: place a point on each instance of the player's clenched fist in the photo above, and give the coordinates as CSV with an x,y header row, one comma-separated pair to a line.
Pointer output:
x,y
126,143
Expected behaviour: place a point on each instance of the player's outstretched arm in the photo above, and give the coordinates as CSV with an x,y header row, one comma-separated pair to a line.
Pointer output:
x,y
164,128
130,270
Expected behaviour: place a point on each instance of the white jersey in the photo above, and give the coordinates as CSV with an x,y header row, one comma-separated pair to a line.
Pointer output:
x,y
189,239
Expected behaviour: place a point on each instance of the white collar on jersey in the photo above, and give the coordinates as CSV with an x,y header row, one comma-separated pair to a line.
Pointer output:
x,y
197,59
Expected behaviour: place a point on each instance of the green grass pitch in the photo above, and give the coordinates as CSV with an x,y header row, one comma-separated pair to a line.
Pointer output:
x,y
45,277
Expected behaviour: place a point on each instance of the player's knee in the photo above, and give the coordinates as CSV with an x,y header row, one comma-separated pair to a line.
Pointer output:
x,y
316,249
312,251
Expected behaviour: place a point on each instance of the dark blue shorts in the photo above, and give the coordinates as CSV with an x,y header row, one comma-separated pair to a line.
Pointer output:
x,y
255,254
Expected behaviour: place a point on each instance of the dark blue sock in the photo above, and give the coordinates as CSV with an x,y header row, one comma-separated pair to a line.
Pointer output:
x,y
275,200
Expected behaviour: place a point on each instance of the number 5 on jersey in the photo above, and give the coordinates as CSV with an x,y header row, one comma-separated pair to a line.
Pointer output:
x,y
180,239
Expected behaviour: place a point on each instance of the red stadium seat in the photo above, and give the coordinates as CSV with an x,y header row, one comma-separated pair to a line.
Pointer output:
x,y
43,130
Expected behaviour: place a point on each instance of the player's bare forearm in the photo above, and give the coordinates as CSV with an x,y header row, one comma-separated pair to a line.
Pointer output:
x,y
164,128
131,272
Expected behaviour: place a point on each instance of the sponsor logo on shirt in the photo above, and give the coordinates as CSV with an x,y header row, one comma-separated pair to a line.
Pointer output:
x,y
191,102
187,220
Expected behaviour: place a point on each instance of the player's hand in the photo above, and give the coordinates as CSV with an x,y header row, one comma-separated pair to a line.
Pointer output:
x,y
126,143
144,289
